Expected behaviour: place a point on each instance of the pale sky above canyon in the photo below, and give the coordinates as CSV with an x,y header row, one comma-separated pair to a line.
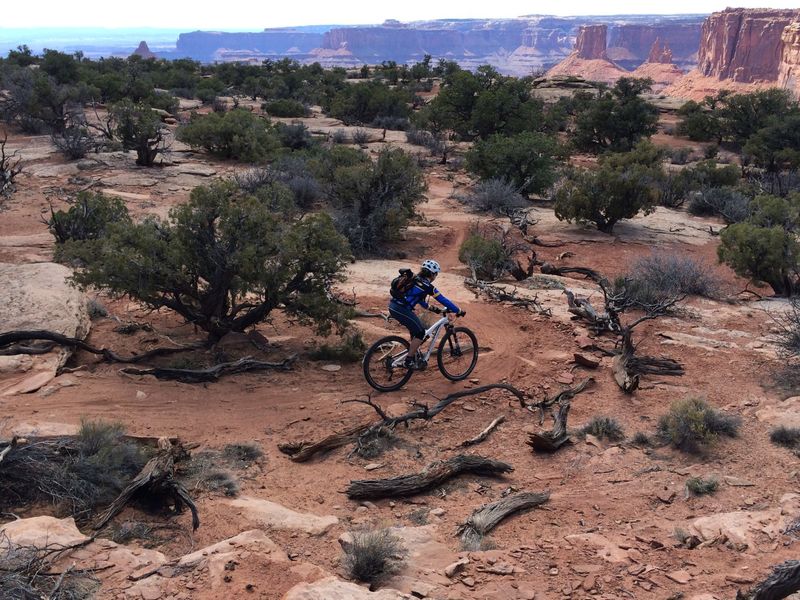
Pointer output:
x,y
254,16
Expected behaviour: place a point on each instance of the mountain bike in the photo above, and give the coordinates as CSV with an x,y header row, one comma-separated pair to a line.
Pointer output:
x,y
456,356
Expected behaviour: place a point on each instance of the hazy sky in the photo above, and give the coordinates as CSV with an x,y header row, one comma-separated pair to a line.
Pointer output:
x,y
253,16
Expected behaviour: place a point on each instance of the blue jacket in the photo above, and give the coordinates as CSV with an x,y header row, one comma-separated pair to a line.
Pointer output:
x,y
423,288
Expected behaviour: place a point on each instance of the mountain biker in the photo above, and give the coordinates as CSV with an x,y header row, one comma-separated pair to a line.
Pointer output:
x,y
403,309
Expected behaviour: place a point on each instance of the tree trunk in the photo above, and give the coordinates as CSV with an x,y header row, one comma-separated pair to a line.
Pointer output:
x,y
432,475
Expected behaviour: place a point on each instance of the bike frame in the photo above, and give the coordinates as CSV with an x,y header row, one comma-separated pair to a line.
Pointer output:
x,y
433,333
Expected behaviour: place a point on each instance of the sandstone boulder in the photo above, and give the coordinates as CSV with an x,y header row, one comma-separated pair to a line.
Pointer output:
x,y
33,296
332,588
272,514
40,532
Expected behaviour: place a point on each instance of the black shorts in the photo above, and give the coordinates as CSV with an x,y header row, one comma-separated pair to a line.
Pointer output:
x,y
405,315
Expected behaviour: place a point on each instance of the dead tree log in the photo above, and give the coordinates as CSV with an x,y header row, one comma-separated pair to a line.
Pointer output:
x,y
432,475
486,518
243,365
550,441
562,396
156,479
304,451
10,167
627,367
496,293
781,583
550,269
485,433
423,412
15,337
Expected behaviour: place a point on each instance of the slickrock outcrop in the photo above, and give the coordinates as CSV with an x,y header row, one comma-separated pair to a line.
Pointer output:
x,y
589,59
744,45
789,68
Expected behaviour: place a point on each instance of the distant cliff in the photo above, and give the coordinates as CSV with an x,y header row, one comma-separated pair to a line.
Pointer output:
x,y
205,45
515,46
590,60
743,45
789,68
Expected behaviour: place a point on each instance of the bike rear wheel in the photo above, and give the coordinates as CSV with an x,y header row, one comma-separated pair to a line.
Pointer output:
x,y
379,360
457,354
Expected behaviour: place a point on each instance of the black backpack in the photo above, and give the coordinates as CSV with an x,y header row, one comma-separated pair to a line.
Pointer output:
x,y
402,284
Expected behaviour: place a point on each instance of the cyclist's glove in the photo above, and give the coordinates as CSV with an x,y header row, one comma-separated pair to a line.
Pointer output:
x,y
435,309
461,313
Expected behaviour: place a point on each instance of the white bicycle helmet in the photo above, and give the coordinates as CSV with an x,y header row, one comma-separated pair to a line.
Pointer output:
x,y
432,266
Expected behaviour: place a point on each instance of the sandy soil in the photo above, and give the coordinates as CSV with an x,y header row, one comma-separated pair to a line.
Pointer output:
x,y
608,528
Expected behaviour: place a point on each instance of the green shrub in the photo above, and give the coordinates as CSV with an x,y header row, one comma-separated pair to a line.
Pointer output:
x,y
286,108
727,202
351,349
360,136
485,256
271,257
640,438
680,156
237,134
364,102
606,196
373,555
526,160
615,119
374,201
699,486
691,425
139,128
762,254
88,217
295,136
604,428
495,196
788,437
242,452
661,277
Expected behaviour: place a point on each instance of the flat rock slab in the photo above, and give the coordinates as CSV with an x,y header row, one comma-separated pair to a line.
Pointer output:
x,y
42,429
129,180
126,195
332,588
200,170
47,171
42,531
275,515
741,527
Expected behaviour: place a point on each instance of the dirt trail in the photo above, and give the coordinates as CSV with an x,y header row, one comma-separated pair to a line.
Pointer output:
x,y
622,501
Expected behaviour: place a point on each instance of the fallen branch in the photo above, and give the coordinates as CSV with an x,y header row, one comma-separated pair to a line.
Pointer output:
x,y
155,478
562,396
485,433
487,517
781,583
304,451
432,475
551,269
11,445
14,337
243,365
425,413
497,293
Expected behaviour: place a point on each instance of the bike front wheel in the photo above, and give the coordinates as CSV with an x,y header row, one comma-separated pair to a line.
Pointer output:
x,y
381,368
457,354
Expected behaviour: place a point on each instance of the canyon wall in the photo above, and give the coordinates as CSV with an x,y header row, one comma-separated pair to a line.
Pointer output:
x,y
591,42
629,44
206,45
743,45
589,59
789,68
